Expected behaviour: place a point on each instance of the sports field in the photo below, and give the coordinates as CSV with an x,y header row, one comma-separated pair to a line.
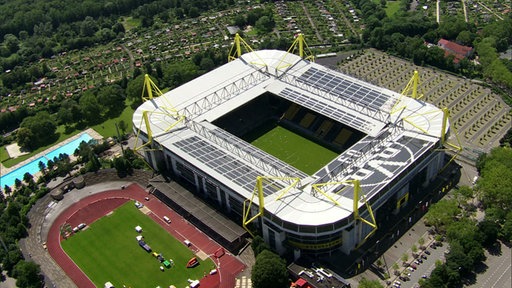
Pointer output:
x,y
108,251
294,149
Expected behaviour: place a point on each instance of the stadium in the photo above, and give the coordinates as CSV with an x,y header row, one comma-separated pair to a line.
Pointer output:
x,y
387,146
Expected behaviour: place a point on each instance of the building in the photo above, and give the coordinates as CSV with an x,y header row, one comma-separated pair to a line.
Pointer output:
x,y
458,51
389,149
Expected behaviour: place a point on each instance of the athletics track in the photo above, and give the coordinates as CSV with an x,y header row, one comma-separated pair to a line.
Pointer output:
x,y
98,205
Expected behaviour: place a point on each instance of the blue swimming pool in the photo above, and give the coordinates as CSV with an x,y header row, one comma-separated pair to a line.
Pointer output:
x,y
33,166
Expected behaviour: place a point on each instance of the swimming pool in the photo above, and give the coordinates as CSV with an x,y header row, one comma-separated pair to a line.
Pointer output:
x,y
33,166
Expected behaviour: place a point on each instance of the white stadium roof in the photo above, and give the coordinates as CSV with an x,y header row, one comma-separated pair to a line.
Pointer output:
x,y
399,131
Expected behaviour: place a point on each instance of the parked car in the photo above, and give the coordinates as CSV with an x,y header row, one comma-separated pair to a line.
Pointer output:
x,y
423,256
427,252
413,266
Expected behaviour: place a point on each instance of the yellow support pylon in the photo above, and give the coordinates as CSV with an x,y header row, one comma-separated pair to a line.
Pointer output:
x,y
150,88
412,89
355,203
412,86
298,44
258,190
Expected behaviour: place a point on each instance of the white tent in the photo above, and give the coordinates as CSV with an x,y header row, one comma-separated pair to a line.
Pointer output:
x,y
138,229
139,237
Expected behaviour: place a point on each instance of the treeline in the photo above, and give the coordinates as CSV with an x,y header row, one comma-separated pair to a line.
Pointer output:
x,y
407,33
466,234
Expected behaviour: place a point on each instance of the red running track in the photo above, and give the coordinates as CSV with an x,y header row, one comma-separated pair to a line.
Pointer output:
x,y
96,206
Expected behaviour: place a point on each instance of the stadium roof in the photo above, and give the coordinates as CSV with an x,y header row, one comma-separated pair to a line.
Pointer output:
x,y
399,131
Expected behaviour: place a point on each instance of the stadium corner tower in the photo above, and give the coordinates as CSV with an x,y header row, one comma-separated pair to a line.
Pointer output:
x,y
388,144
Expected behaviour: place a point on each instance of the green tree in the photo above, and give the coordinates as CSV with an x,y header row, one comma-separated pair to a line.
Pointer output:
x,y
42,167
94,163
258,245
111,98
28,178
90,107
41,130
122,166
123,126
489,231
495,183
269,271
27,274
265,24
442,214
365,283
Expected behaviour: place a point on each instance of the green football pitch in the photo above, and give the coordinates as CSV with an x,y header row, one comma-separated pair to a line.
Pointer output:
x,y
107,250
292,148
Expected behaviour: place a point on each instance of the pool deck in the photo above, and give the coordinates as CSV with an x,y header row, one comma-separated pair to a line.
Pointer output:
x,y
90,131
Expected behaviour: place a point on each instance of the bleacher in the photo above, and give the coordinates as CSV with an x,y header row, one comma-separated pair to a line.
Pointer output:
x,y
343,137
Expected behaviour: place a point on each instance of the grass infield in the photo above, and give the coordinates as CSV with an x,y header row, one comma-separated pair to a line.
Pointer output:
x,y
108,251
293,149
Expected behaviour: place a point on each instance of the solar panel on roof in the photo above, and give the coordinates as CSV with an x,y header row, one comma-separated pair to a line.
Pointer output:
x,y
354,91
228,166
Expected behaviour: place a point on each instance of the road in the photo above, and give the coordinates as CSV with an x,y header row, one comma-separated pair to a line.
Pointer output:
x,y
498,271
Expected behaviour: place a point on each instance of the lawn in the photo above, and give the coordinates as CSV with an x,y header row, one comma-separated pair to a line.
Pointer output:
x,y
105,129
392,7
62,136
108,127
294,149
108,251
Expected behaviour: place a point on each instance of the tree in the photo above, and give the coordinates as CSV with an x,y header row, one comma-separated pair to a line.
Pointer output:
x,y
405,257
265,24
7,190
94,163
495,183
27,274
269,271
28,178
122,166
258,245
123,126
442,214
37,130
365,283
111,97
42,167
489,230
90,107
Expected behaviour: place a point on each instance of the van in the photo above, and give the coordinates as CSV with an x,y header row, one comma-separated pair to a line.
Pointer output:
x,y
187,243
166,219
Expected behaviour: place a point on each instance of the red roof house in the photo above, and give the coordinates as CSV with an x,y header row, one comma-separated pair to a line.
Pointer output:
x,y
451,48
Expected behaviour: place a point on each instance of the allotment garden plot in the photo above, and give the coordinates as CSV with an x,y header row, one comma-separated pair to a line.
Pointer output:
x,y
108,250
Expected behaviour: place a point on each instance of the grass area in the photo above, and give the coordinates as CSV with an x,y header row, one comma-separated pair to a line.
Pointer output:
x,y
130,23
108,127
105,129
3,154
294,149
62,136
124,262
392,7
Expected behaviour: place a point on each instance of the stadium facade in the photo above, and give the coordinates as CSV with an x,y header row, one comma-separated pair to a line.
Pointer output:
x,y
389,148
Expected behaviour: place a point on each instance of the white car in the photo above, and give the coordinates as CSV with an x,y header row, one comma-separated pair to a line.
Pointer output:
x,y
138,204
